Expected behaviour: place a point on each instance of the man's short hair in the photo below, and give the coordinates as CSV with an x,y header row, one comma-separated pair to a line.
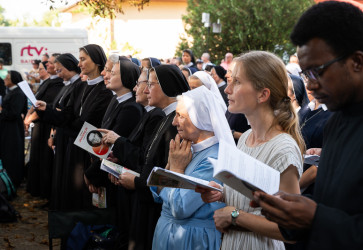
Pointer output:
x,y
339,24
56,54
2,61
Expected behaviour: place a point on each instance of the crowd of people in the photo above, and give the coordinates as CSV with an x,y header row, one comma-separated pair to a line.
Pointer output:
x,y
174,115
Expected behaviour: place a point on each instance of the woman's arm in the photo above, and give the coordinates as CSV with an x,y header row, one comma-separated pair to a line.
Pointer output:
x,y
289,182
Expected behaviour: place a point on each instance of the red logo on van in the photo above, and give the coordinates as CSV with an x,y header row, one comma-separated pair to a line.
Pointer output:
x,y
30,49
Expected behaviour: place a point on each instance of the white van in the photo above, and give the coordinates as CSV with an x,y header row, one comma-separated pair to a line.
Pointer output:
x,y
19,46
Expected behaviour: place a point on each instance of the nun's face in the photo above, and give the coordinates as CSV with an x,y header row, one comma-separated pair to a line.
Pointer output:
x,y
186,74
186,58
50,66
43,74
61,71
7,81
106,72
139,88
88,67
184,125
194,83
215,75
155,94
115,83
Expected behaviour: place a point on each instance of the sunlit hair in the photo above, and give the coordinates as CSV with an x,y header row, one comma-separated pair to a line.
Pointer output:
x,y
114,58
148,63
266,70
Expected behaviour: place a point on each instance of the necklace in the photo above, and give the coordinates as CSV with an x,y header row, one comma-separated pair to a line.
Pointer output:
x,y
311,117
84,91
155,137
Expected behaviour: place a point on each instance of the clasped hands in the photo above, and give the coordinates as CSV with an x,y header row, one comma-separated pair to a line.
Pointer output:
x,y
180,155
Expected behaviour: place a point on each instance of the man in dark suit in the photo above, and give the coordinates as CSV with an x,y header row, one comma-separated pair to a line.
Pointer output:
x,y
329,38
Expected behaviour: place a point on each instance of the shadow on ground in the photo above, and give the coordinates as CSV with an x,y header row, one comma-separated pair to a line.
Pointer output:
x,y
31,230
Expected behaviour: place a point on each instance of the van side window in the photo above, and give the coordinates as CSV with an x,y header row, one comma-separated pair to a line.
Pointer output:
x,y
5,53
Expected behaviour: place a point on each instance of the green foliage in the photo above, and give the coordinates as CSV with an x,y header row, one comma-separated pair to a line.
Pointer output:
x,y
246,25
103,8
3,21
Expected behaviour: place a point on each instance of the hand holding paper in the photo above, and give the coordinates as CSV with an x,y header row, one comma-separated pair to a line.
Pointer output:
x,y
24,86
40,105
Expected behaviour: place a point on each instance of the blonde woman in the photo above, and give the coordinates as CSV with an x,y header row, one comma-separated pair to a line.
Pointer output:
x,y
260,91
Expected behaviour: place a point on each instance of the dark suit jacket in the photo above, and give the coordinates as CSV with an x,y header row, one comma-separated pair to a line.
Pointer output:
x,y
338,220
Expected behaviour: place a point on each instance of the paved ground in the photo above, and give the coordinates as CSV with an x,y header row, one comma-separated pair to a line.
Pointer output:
x,y
31,230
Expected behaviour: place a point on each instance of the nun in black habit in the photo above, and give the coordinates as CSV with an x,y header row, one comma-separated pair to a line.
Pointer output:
x,y
128,152
123,113
88,103
165,83
12,128
41,155
67,68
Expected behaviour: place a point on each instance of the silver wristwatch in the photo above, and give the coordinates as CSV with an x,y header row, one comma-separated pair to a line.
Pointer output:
x,y
234,215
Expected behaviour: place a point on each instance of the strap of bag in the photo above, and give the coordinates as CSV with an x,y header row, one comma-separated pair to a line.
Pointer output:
x,y
9,185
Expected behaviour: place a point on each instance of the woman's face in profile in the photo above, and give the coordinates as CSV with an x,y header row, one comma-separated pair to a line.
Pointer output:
x,y
115,83
194,83
7,81
155,94
184,125
86,64
242,96
139,89
186,74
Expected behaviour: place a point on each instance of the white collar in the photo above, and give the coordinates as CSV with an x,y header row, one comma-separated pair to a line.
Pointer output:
x,y
13,87
189,64
42,81
311,105
149,108
221,84
72,80
124,97
53,77
170,108
204,144
95,81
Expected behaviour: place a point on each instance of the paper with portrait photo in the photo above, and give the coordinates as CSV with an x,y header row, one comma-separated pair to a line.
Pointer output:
x,y
90,139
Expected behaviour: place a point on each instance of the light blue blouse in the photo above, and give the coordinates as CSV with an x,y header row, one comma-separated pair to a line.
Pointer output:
x,y
186,222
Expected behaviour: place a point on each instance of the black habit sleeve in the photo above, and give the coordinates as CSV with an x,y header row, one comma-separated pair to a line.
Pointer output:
x,y
124,119
129,151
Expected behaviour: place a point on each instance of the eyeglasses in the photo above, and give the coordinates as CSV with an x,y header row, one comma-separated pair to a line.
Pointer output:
x,y
138,83
150,84
314,74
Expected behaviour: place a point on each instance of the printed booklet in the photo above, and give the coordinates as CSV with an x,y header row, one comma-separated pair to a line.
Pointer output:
x,y
90,139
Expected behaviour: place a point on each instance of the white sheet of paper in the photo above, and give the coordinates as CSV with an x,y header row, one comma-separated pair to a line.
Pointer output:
x,y
24,85
243,172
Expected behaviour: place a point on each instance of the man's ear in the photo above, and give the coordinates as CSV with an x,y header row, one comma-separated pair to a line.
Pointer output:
x,y
357,58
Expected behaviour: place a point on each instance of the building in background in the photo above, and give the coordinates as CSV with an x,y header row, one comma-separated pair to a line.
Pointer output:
x,y
153,31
